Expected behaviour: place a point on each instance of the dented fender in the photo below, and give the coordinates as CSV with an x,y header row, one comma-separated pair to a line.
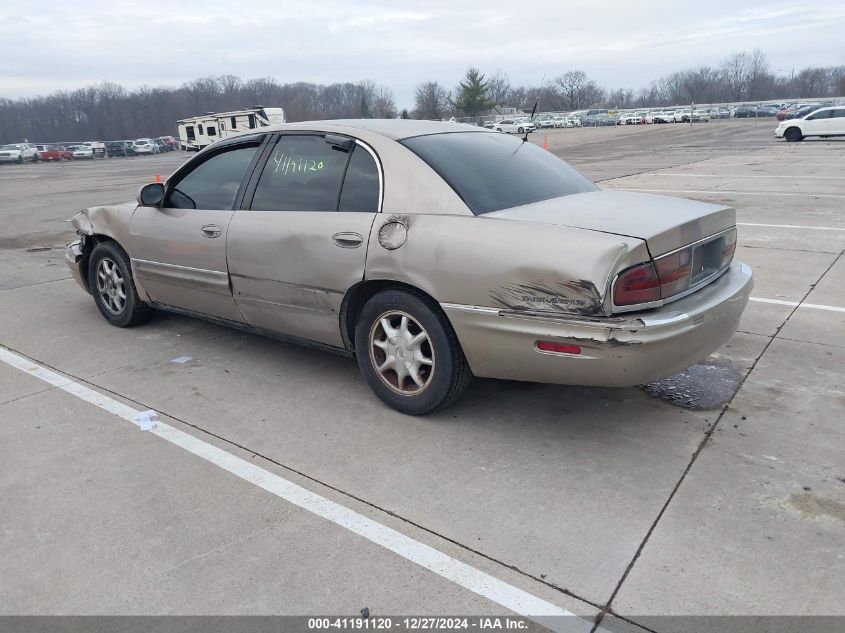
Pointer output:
x,y
501,263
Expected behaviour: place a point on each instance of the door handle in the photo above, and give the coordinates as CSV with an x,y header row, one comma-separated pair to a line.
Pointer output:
x,y
347,240
211,230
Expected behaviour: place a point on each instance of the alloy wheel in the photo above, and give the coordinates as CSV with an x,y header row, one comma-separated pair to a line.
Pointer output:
x,y
111,285
401,353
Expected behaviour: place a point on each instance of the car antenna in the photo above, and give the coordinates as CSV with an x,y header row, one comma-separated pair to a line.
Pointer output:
x,y
530,119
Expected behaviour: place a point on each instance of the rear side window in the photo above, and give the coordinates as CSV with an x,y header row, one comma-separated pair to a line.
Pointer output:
x,y
302,174
214,183
492,171
360,191
839,113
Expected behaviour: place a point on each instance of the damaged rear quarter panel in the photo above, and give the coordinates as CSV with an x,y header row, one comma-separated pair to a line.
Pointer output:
x,y
502,263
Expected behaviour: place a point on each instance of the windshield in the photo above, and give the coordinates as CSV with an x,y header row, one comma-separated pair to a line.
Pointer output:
x,y
492,171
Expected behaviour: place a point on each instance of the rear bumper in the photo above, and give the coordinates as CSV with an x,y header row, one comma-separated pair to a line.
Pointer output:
x,y
615,352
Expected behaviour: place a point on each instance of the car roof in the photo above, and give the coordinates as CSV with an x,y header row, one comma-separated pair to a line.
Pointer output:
x,y
395,129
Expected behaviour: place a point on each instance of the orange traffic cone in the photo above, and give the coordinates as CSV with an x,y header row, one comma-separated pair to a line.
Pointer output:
x,y
545,141
158,177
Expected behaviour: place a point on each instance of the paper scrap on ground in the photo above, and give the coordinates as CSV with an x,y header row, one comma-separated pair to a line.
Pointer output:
x,y
146,420
182,359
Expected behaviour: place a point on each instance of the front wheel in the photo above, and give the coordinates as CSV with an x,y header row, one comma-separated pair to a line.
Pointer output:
x,y
520,130
408,352
113,287
793,135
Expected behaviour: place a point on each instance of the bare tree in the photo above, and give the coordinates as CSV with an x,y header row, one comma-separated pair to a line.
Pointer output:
x,y
499,88
736,72
620,98
431,101
384,106
578,90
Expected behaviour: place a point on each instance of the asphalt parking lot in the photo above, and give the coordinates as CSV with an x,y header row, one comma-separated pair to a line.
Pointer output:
x,y
610,502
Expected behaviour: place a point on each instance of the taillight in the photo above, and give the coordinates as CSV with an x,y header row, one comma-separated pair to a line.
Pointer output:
x,y
673,271
729,248
637,285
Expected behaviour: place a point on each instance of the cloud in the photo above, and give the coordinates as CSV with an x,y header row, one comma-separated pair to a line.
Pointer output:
x,y
60,45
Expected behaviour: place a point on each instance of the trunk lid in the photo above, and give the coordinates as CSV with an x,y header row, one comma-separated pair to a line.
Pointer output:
x,y
665,223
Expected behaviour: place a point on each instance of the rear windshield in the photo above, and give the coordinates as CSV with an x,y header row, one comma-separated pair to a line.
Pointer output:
x,y
493,171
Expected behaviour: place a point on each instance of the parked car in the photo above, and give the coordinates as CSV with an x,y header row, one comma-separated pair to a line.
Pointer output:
x,y
803,111
544,121
510,126
629,118
526,122
116,149
50,153
645,287
828,121
145,146
83,152
785,111
162,148
658,117
170,143
18,153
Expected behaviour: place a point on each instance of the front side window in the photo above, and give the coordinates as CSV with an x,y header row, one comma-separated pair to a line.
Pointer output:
x,y
839,113
495,171
824,114
302,174
214,183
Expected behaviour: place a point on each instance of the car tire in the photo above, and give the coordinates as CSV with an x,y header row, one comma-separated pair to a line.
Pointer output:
x,y
390,326
498,129
113,286
793,135
20,159
520,130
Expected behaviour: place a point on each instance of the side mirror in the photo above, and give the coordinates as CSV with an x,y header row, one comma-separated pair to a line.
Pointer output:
x,y
151,195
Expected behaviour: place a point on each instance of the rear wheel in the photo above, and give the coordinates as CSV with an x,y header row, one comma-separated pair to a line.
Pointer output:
x,y
408,352
113,288
793,135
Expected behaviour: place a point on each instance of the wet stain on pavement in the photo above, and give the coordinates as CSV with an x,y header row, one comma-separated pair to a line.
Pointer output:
x,y
811,506
703,386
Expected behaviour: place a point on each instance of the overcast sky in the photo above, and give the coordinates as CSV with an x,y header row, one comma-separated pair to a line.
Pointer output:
x,y
50,45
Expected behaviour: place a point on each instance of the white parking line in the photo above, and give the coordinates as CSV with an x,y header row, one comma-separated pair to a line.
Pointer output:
x,y
812,306
750,177
793,226
736,193
479,582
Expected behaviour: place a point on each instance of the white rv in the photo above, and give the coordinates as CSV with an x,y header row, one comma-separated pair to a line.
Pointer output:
x,y
198,132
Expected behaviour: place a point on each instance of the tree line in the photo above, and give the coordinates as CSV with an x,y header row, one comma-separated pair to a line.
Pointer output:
x,y
740,77
110,111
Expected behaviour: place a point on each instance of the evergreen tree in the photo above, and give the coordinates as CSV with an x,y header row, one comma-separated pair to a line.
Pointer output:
x,y
473,96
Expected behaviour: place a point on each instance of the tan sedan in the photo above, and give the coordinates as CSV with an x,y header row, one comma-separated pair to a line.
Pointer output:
x,y
429,251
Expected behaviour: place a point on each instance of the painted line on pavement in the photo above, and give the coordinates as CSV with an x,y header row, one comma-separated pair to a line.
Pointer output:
x,y
793,226
735,193
727,176
812,306
475,580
